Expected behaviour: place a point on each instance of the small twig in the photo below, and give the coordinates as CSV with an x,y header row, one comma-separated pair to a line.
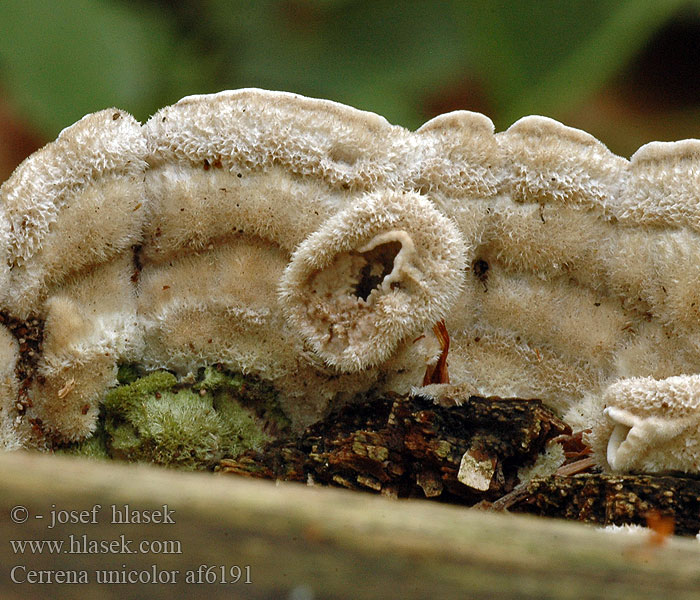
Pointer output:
x,y
578,466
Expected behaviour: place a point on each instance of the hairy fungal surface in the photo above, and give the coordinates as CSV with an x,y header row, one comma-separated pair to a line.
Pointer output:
x,y
314,247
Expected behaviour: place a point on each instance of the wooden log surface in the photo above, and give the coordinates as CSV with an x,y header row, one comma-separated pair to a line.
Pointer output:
x,y
304,543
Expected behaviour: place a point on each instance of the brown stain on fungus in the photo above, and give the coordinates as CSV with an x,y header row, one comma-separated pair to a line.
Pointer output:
x,y
438,373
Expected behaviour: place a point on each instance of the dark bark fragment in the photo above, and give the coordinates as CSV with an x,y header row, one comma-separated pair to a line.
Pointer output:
x,y
411,447
468,454
614,499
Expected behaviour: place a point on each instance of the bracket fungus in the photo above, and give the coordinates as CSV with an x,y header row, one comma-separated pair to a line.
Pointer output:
x,y
316,246
70,214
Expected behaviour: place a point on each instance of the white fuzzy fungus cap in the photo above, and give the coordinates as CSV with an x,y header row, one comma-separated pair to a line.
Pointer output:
x,y
91,324
654,264
236,182
380,271
550,162
650,425
459,157
74,203
260,128
267,164
662,185
534,319
313,244
73,210
13,435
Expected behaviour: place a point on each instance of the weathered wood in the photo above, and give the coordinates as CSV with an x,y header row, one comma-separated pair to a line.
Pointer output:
x,y
333,543
404,446
614,499
409,446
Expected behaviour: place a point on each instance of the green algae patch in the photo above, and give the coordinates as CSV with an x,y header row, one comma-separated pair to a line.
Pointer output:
x,y
187,423
255,394
93,447
128,374
127,398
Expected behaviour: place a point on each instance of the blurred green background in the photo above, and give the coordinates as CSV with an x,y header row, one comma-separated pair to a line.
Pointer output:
x,y
625,70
